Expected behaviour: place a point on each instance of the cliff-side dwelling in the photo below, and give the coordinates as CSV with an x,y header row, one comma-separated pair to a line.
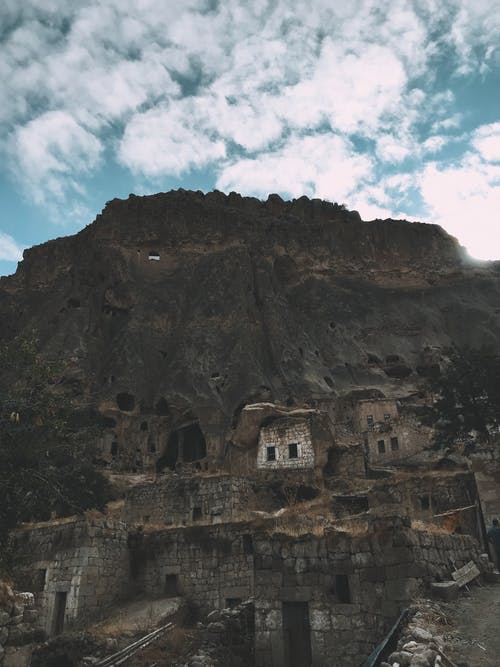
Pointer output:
x,y
270,449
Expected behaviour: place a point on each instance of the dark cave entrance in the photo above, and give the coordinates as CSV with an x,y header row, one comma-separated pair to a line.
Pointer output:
x,y
185,445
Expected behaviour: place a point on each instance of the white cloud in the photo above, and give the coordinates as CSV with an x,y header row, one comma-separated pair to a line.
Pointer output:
x,y
165,141
322,166
390,150
50,152
10,251
486,140
267,94
465,200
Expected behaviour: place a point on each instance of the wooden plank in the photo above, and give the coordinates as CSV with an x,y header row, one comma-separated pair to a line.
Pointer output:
x,y
465,574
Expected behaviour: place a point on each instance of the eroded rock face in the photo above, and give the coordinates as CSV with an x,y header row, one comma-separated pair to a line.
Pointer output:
x,y
183,307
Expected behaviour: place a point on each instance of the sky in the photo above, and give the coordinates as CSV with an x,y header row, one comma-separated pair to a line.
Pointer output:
x,y
391,107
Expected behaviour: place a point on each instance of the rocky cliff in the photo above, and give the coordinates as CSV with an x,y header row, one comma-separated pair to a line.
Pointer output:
x,y
188,304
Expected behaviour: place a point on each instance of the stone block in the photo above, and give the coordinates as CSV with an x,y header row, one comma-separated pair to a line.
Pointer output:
x,y
320,620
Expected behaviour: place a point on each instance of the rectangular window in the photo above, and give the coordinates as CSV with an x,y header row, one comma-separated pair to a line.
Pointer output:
x,y
387,417
293,450
342,590
271,453
394,444
196,513
425,502
381,446
369,419
247,544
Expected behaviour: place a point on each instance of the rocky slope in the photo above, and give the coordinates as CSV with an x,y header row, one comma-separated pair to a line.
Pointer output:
x,y
188,302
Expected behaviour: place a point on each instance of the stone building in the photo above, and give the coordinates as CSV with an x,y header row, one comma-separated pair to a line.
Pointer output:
x,y
76,569
286,444
387,435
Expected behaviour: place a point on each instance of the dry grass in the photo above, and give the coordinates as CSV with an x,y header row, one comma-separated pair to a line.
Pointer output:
x,y
114,508
58,521
430,527
354,526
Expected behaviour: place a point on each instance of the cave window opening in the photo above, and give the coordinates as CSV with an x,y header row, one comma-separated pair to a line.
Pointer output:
x,y
342,590
381,446
232,602
425,502
161,407
271,453
114,448
154,256
185,445
144,426
196,513
387,417
293,450
125,401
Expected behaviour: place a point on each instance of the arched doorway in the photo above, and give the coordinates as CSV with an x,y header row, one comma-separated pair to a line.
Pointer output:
x,y
185,445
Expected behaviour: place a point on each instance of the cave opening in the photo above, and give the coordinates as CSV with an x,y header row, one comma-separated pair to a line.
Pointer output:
x,y
185,445
125,401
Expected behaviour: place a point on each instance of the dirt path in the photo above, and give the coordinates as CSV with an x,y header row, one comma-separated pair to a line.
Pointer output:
x,y
473,634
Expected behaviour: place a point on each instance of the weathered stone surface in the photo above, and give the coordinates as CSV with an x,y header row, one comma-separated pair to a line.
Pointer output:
x,y
248,301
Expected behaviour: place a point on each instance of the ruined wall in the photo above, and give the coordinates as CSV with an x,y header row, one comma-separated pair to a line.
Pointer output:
x,y
371,411
432,498
173,500
286,443
83,564
207,565
353,587
388,435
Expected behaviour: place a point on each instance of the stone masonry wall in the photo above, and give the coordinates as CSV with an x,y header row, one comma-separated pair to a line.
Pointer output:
x,y
178,501
384,570
85,560
280,434
208,565
18,627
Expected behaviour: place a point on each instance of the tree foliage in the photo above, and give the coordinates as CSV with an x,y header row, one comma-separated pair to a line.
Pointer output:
x,y
467,405
45,461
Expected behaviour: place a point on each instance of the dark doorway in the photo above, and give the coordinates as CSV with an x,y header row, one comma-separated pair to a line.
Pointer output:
x,y
297,634
331,467
186,444
59,612
171,588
